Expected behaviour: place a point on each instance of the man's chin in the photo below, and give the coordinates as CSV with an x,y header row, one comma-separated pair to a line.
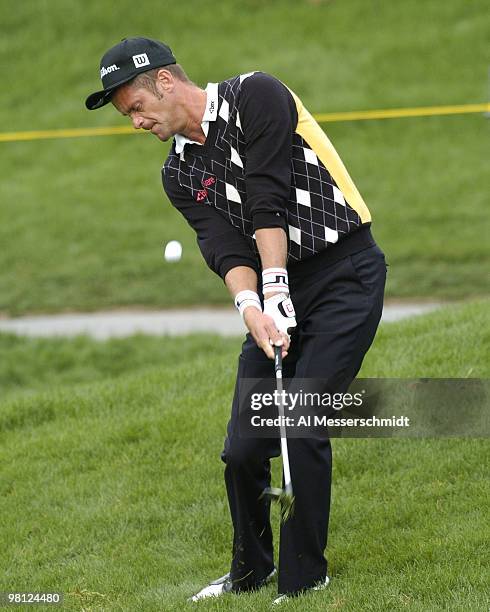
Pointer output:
x,y
162,137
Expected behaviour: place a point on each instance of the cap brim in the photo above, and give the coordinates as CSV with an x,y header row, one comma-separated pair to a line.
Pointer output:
x,y
99,98
103,97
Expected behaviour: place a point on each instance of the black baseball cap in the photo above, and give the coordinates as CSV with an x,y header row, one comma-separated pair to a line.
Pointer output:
x,y
124,61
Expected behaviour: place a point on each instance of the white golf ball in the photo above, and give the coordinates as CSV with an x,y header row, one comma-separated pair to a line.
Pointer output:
x,y
173,251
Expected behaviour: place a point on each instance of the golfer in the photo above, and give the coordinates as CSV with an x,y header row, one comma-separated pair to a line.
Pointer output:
x,y
279,219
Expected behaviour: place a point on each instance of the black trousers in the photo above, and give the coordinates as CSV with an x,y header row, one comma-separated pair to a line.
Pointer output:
x,y
338,311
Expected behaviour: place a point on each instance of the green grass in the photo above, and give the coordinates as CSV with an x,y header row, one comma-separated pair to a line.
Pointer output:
x,y
82,221
28,365
111,491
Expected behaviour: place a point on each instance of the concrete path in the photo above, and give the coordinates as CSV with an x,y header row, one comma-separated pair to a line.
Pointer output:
x,y
103,325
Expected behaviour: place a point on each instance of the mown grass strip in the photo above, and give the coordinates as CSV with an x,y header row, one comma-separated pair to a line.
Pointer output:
x,y
393,113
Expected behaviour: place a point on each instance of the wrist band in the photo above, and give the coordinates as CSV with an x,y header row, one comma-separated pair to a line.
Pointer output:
x,y
275,279
247,298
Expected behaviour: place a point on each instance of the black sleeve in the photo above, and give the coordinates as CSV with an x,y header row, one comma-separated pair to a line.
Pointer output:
x,y
222,245
268,117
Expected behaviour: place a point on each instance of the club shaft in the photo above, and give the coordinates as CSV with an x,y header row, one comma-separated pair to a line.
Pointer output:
x,y
282,427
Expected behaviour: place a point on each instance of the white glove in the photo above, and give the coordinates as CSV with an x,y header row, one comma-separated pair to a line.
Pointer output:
x,y
281,309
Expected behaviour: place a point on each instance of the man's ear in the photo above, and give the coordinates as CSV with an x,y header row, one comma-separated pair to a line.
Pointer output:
x,y
166,79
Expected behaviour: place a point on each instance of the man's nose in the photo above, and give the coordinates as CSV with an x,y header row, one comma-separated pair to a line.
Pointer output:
x,y
137,122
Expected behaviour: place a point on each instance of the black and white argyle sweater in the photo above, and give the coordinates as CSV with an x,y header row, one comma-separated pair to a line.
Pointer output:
x,y
265,163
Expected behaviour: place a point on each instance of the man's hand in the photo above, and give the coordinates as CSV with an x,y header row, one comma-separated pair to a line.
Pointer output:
x,y
281,309
264,331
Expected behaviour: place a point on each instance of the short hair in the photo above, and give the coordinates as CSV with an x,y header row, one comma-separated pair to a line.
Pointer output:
x,y
147,80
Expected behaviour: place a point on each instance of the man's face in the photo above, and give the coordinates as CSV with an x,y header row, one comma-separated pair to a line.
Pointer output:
x,y
148,111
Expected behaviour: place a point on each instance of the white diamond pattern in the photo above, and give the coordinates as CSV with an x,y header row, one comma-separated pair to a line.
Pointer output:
x,y
303,197
331,235
310,157
224,111
232,193
245,76
295,234
235,158
338,196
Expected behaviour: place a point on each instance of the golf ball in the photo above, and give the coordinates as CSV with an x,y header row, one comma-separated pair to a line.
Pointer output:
x,y
173,251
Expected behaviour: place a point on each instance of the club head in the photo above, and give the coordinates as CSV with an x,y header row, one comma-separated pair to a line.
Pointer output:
x,y
284,498
272,493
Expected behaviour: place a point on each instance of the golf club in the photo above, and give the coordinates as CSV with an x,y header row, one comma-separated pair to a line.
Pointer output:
x,y
284,496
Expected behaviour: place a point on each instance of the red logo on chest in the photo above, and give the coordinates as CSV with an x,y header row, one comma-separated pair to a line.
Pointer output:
x,y
202,193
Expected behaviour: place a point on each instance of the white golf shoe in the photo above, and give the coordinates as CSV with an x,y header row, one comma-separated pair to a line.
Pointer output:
x,y
318,587
214,589
223,585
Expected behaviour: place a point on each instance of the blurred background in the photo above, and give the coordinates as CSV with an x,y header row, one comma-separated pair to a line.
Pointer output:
x,y
83,219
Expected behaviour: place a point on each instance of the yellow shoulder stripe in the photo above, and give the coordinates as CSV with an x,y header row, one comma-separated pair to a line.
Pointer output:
x,y
316,138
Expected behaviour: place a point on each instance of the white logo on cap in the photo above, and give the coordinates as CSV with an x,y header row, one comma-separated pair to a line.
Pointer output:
x,y
141,60
104,71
